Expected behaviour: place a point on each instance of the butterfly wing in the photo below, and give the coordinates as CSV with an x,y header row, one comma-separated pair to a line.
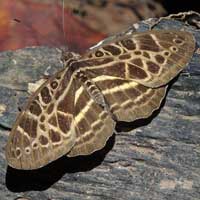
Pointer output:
x,y
93,124
45,129
150,58
129,100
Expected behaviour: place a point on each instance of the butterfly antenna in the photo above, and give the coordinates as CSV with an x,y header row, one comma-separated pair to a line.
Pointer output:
x,y
63,20
64,48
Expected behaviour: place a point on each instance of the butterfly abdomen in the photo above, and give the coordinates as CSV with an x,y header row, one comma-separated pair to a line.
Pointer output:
x,y
92,89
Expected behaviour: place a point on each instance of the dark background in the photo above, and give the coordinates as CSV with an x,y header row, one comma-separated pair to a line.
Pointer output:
x,y
175,6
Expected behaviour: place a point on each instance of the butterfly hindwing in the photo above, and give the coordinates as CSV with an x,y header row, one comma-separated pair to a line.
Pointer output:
x,y
129,100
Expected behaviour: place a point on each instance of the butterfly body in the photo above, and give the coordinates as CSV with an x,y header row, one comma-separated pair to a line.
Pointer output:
x,y
91,88
75,111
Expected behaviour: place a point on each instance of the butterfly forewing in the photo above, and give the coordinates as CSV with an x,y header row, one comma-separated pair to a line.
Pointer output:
x,y
150,58
45,130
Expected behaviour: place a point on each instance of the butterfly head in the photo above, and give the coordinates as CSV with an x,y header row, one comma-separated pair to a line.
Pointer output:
x,y
68,57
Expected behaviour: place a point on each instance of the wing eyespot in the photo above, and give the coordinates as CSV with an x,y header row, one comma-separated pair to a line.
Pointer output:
x,y
27,150
99,54
35,145
166,53
174,49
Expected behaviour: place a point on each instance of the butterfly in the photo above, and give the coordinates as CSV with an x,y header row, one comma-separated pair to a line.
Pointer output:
x,y
75,111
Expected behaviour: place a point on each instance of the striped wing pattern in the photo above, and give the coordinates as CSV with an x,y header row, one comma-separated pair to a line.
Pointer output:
x,y
75,111
129,100
93,125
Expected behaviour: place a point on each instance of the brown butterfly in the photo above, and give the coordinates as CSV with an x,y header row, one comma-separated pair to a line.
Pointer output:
x,y
75,111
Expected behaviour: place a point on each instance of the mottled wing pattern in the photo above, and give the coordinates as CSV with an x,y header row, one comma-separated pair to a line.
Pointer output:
x,y
44,130
129,100
93,124
150,58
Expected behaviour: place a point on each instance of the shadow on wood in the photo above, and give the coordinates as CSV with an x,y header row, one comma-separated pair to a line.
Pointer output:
x,y
43,178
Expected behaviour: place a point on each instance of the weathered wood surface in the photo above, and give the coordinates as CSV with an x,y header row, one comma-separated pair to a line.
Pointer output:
x,y
159,158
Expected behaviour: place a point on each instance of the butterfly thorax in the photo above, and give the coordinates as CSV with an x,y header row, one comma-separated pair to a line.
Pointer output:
x,y
74,63
69,57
